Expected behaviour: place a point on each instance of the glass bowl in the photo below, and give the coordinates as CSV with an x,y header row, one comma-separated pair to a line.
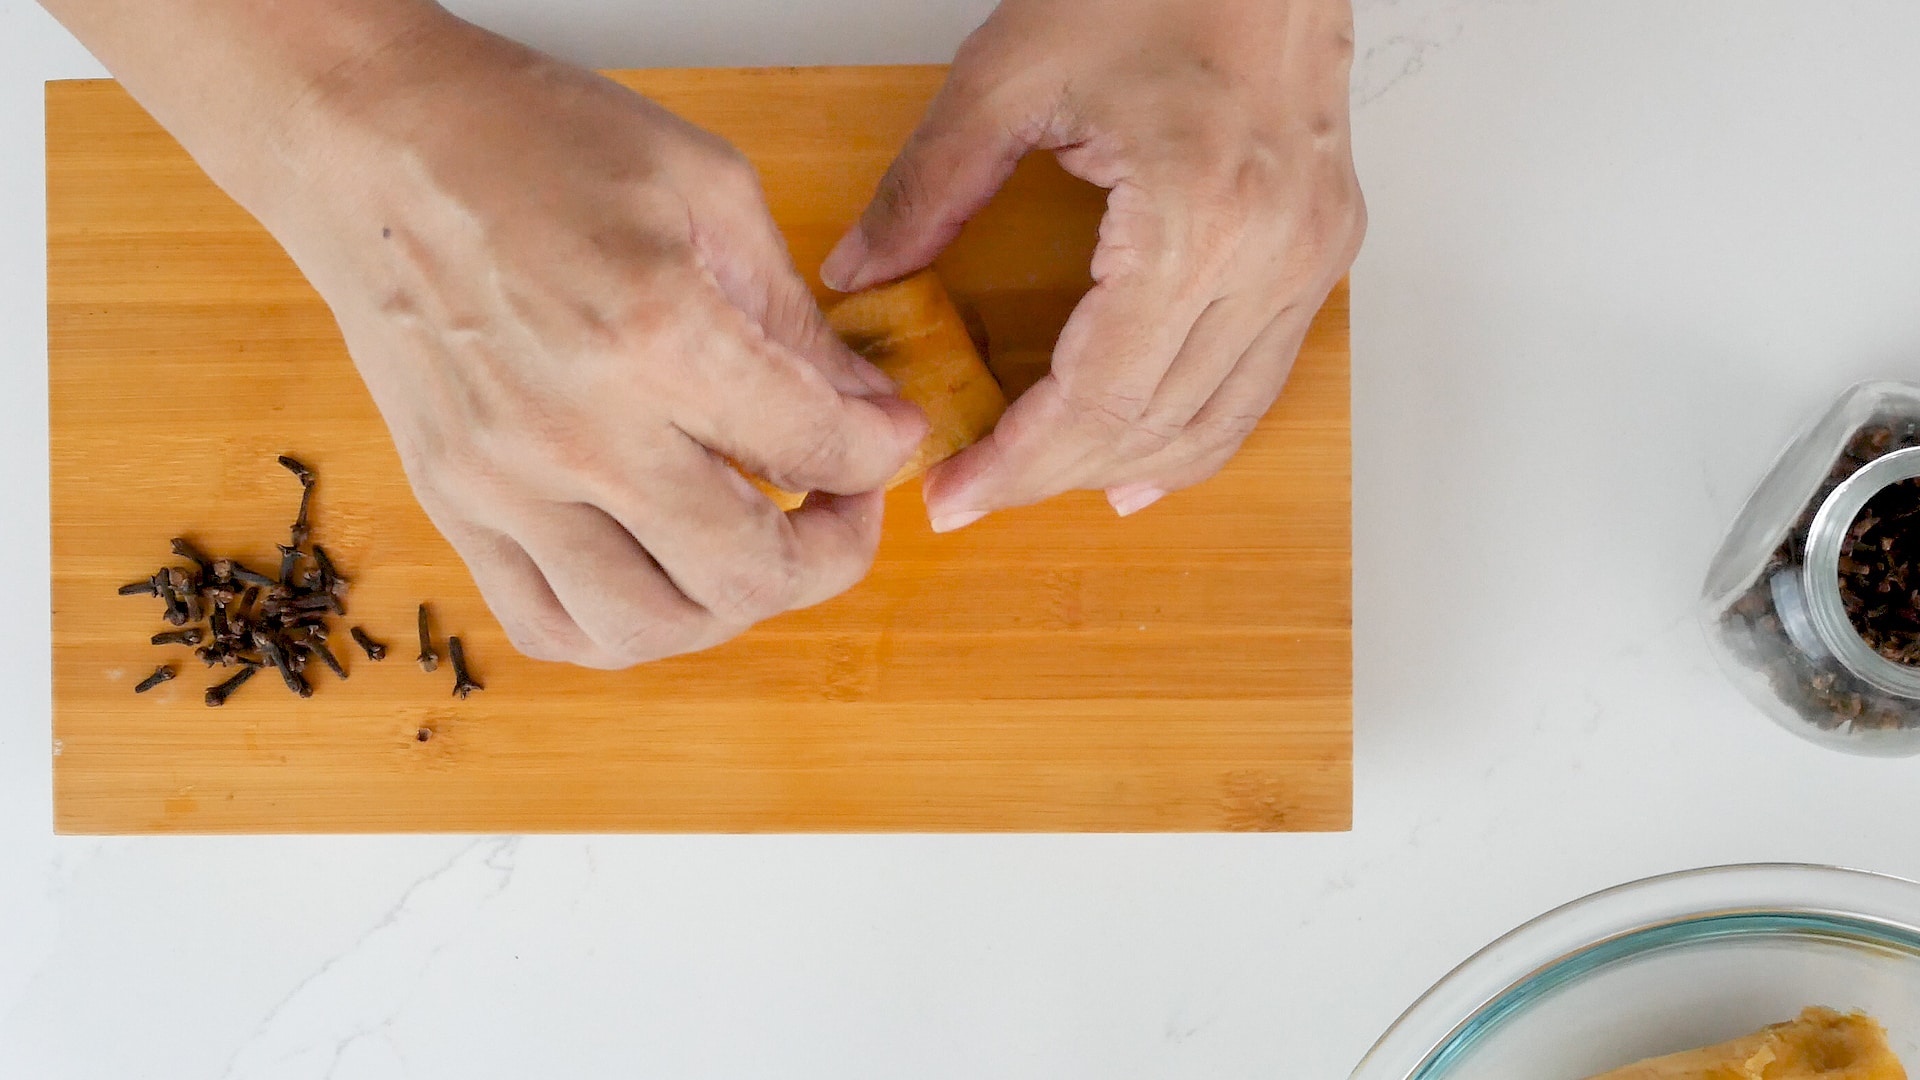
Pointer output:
x,y
1663,965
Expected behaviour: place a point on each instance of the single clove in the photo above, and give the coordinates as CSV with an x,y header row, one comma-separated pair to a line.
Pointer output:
x,y
218,695
300,472
328,582
299,532
373,649
149,587
251,577
463,683
429,660
189,636
319,648
328,572
185,549
160,674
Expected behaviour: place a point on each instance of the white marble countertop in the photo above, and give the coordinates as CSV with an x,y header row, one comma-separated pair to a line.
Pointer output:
x,y
1619,253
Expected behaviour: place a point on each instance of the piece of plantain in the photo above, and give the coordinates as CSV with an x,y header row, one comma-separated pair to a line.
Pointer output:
x,y
911,330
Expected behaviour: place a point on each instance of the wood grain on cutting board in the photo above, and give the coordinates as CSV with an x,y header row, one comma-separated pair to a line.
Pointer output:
x,y
1052,668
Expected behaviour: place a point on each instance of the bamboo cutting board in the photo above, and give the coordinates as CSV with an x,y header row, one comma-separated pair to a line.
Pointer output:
x,y
1050,669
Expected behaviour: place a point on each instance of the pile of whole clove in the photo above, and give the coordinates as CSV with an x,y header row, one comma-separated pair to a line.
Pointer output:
x,y
1875,565
235,617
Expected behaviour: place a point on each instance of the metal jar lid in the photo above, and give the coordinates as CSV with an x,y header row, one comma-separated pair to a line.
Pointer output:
x,y
1820,573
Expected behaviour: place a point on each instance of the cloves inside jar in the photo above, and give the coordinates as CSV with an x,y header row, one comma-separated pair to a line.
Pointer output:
x,y
1879,578
1813,602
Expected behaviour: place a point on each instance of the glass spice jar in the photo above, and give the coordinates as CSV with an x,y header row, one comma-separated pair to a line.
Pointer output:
x,y
1813,602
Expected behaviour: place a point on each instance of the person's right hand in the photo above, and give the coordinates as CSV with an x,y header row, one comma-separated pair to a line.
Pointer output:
x,y
573,311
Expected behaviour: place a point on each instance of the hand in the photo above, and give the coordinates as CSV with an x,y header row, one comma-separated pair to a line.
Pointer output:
x,y
1220,131
573,311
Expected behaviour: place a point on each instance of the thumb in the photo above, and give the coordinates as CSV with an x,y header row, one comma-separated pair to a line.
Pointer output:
x,y
961,153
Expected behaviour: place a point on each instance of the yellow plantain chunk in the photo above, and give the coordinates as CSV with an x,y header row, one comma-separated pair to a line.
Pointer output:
x,y
1820,1045
911,330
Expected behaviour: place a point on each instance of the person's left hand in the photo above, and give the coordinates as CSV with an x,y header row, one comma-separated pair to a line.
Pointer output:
x,y
1221,133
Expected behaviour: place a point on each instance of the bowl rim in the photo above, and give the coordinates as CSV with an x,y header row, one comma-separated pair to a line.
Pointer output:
x,y
1456,1004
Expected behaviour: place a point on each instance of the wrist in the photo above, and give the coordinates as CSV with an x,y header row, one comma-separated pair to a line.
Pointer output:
x,y
316,95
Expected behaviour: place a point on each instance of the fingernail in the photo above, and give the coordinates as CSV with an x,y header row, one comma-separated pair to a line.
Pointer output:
x,y
946,523
842,267
1133,498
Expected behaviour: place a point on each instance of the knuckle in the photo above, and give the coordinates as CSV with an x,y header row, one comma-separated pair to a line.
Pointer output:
x,y
751,592
430,487
1110,408
735,175
1340,43
534,428
818,456
732,163
651,638
982,64
540,638
1199,457
584,463
900,192
974,54
856,564
1124,422
1324,232
792,314
1354,222
461,472
1250,198
1145,437
529,422
1332,229
715,154
1222,433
